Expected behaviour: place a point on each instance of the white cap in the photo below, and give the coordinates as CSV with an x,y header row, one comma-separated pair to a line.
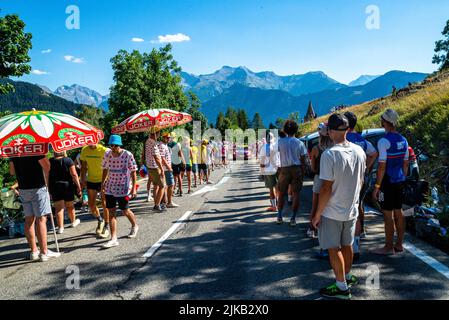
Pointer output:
x,y
322,129
391,116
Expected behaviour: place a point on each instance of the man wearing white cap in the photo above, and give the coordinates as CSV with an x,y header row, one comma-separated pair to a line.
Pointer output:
x,y
391,175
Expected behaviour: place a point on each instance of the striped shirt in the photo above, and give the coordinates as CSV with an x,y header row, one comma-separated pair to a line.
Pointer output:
x,y
151,151
165,154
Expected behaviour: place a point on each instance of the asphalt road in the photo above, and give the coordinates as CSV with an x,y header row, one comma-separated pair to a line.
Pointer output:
x,y
228,247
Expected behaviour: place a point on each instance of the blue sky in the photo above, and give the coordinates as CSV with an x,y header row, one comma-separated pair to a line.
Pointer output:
x,y
284,36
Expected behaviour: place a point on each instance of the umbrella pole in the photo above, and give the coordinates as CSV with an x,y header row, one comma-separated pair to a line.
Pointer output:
x,y
51,216
54,231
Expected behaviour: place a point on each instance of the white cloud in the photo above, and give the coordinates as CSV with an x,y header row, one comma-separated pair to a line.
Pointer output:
x,y
137,40
172,38
46,51
39,72
74,59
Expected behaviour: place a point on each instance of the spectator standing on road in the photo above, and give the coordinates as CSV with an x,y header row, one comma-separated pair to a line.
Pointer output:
x,y
324,143
391,175
195,170
168,172
342,169
32,174
155,169
178,163
91,174
63,184
203,162
292,152
119,186
269,165
187,153
371,156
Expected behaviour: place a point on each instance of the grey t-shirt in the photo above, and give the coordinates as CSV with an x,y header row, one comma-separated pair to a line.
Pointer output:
x,y
344,165
290,151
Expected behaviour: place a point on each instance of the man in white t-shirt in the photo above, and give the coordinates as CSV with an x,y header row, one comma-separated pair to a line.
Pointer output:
x,y
269,165
342,169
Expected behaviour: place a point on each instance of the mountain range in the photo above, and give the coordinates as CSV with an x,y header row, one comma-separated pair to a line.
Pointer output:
x,y
278,98
79,95
271,95
212,85
27,96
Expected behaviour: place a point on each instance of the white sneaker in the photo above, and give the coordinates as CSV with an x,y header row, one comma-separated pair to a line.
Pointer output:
x,y
172,205
60,230
111,243
149,198
133,232
34,256
76,223
48,255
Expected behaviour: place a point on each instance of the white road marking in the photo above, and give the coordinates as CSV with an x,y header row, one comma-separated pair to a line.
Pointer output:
x,y
175,226
210,188
420,254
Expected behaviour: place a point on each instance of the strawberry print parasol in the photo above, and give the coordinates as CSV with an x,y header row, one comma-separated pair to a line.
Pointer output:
x,y
30,133
152,120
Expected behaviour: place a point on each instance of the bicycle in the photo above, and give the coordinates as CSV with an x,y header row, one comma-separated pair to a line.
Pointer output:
x,y
440,177
11,211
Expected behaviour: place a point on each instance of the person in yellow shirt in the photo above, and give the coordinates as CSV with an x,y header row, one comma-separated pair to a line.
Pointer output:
x,y
203,162
194,163
91,177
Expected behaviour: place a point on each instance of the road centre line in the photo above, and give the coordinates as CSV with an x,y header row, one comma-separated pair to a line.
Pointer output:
x,y
170,231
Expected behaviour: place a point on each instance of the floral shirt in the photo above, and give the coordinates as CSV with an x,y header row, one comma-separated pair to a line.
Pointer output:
x,y
118,182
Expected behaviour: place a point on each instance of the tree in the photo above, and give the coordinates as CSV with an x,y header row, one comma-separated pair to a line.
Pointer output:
x,y
14,47
295,117
279,123
91,115
441,56
220,123
231,114
144,81
257,122
194,111
242,119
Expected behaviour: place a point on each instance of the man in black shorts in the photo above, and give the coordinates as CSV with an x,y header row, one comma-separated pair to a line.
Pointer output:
x,y
91,175
391,175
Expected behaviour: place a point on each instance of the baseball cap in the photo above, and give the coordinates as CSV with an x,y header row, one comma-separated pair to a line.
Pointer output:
x,y
322,129
115,140
336,121
391,116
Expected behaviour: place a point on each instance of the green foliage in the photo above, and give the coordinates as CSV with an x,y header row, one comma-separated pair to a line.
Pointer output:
x,y
220,124
257,122
231,114
14,47
144,81
441,56
431,127
91,115
27,96
194,111
242,119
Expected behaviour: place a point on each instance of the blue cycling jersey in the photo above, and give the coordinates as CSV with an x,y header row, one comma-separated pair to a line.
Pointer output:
x,y
357,138
395,157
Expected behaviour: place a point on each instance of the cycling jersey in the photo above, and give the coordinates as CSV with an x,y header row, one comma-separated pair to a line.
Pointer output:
x,y
393,149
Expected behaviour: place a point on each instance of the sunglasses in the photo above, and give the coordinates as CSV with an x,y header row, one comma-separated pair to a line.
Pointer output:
x,y
114,145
